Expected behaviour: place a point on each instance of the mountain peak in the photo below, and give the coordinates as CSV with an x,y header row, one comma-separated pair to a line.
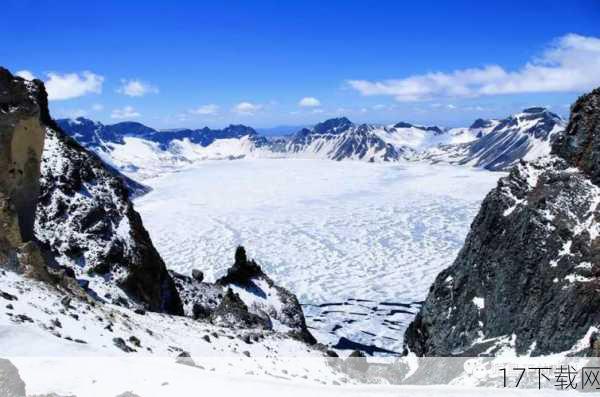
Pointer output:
x,y
335,125
481,123
239,130
403,124
536,109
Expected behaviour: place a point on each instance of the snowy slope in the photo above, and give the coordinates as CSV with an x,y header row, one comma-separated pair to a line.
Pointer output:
x,y
340,139
142,152
36,320
78,348
358,243
144,159
527,135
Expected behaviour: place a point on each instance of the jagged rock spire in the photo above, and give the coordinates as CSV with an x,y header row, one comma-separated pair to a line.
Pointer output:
x,y
580,144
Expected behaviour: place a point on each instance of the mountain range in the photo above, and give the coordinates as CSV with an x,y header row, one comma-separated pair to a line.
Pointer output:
x,y
491,144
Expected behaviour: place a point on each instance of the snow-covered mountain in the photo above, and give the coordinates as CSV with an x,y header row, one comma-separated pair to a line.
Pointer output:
x,y
526,279
500,144
143,152
340,139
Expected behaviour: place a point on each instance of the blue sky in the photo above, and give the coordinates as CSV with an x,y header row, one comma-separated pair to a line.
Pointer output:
x,y
268,63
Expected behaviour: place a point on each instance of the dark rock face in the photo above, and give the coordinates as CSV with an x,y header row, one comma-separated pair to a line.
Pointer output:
x,y
23,119
332,126
86,219
580,145
481,123
242,271
527,276
21,144
232,312
199,299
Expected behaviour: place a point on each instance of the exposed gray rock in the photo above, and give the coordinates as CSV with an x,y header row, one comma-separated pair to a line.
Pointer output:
x,y
263,296
128,394
262,301
185,359
197,275
11,384
21,143
340,139
527,276
86,220
199,299
580,145
503,143
120,343
23,116
232,312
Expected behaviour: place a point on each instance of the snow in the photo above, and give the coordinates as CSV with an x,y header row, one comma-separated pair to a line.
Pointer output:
x,y
420,139
351,233
161,377
79,356
141,159
479,302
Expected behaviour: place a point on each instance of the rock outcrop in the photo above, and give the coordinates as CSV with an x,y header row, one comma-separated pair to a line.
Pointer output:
x,y
84,221
262,295
244,298
528,275
23,114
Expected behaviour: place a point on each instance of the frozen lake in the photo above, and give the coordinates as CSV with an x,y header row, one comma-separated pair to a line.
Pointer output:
x,y
344,236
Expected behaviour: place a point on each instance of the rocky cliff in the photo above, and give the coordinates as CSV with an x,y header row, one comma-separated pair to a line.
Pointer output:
x,y
84,222
527,277
23,113
87,221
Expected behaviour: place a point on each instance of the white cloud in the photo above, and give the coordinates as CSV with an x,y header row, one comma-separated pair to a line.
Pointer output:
x,y
246,108
128,112
570,64
26,74
309,102
80,112
72,113
136,87
210,109
380,107
72,85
